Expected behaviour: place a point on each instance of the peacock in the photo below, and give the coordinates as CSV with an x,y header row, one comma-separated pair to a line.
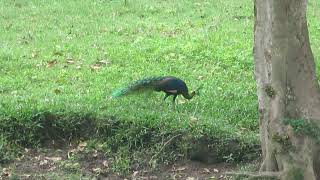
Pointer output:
x,y
171,86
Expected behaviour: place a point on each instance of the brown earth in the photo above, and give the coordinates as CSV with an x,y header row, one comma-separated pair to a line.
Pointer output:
x,y
63,164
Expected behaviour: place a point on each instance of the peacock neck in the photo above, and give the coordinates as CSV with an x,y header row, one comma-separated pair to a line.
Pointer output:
x,y
187,95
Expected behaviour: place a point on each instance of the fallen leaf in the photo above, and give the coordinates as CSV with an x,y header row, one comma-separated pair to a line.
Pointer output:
x,y
206,170
105,62
82,146
37,158
200,77
181,101
105,163
54,159
52,168
71,153
98,65
6,172
135,173
103,30
222,176
193,119
19,158
215,170
70,61
190,178
95,67
96,170
26,175
95,154
34,54
179,169
51,63
43,162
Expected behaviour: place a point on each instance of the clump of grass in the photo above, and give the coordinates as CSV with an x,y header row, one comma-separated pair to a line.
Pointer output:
x,y
8,151
304,126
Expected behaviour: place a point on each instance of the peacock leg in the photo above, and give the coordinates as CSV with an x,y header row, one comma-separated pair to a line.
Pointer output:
x,y
174,98
165,97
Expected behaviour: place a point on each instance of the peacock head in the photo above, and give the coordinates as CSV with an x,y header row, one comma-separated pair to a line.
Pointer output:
x,y
193,93
189,96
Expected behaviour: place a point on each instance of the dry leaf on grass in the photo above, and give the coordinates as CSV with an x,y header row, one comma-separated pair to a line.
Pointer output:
x,y
98,65
70,61
193,119
95,67
51,63
181,101
34,54
200,77
103,62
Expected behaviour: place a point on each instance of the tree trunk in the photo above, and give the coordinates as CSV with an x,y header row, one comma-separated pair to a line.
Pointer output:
x,y
288,91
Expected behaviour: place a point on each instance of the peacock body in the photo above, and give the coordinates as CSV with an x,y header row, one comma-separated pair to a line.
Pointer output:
x,y
168,84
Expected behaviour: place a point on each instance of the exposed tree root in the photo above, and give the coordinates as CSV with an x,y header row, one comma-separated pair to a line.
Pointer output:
x,y
257,175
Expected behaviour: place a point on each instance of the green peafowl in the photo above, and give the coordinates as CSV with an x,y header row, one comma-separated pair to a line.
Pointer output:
x,y
168,84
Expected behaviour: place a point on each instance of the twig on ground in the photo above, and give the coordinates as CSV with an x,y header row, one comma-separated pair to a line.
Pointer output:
x,y
165,144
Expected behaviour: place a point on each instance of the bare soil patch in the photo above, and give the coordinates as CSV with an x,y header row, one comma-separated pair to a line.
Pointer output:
x,y
62,163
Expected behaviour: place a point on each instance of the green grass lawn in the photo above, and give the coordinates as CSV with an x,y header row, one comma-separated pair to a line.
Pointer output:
x,y
64,58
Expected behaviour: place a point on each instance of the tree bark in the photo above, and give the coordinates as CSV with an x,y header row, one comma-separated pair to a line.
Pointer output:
x,y
287,90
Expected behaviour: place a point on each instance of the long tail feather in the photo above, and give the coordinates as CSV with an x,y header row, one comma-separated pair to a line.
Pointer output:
x,y
118,93
137,86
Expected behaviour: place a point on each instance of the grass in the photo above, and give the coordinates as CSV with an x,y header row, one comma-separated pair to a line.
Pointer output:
x,y
61,60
